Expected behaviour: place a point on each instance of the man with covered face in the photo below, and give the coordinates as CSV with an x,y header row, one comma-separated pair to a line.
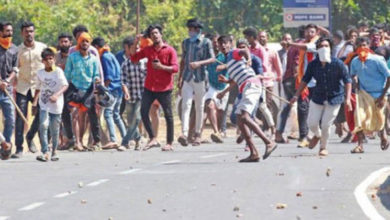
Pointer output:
x,y
8,70
197,54
369,71
333,88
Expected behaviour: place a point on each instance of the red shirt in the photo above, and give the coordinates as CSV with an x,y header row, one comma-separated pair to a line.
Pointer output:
x,y
158,80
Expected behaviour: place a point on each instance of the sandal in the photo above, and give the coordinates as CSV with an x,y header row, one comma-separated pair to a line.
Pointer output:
x,y
110,145
269,151
166,148
196,142
385,144
43,157
250,159
183,141
5,150
205,141
240,139
282,141
323,152
54,157
357,150
148,147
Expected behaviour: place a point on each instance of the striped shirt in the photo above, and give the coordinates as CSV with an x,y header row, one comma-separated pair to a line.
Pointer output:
x,y
201,49
133,77
238,70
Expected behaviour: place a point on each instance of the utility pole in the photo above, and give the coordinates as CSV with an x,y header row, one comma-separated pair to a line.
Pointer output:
x,y
138,15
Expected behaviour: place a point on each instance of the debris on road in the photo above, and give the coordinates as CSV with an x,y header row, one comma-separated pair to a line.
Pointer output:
x,y
236,209
239,215
281,206
315,207
279,174
328,172
149,201
83,201
299,194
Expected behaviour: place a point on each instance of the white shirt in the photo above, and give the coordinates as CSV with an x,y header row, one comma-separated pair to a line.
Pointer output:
x,y
29,62
49,83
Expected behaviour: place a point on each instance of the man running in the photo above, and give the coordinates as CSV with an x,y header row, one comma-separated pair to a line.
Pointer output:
x,y
240,73
332,80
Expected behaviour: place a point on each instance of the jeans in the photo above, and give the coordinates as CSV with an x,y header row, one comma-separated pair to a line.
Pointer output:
x,y
112,116
133,120
303,112
324,114
9,116
52,122
22,102
197,91
67,123
165,99
94,123
289,91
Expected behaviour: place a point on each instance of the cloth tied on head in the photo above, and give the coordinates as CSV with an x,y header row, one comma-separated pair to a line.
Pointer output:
x,y
84,36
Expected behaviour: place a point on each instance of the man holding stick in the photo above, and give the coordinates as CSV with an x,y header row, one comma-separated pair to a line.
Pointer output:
x,y
29,62
8,70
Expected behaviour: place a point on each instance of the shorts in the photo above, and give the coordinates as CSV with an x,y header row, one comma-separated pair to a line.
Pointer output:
x,y
250,97
220,103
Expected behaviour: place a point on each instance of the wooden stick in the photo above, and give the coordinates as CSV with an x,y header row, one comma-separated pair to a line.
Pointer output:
x,y
16,106
276,96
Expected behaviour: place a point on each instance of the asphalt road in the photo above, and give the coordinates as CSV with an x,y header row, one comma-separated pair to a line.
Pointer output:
x,y
201,183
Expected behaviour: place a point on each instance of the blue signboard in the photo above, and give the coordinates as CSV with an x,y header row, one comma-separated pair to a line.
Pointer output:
x,y
303,12
305,3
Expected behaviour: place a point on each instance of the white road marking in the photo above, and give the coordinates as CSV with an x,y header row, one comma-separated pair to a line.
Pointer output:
x,y
129,171
4,217
213,155
171,162
65,194
31,206
98,182
156,172
361,195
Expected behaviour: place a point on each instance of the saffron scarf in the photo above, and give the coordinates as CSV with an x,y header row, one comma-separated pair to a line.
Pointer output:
x,y
6,42
301,67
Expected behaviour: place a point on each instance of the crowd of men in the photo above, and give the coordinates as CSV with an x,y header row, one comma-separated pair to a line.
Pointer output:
x,y
322,78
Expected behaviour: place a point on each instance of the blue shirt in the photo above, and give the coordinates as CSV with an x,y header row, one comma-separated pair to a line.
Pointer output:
x,y
81,71
213,74
331,80
257,64
112,72
120,57
372,75
201,49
